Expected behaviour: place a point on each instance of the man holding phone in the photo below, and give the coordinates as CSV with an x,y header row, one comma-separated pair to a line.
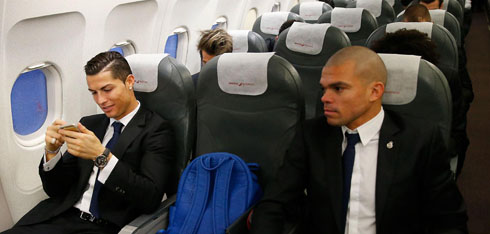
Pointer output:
x,y
116,166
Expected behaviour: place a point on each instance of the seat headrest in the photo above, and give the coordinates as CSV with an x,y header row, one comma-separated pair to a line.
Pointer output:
x,y
391,2
145,70
312,10
240,40
347,19
401,85
271,22
438,16
424,27
306,38
243,73
373,6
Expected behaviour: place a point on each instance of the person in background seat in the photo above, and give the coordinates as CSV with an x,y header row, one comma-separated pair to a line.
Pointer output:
x,y
416,13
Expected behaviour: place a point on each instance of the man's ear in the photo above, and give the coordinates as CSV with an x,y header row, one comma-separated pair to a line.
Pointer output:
x,y
130,81
378,88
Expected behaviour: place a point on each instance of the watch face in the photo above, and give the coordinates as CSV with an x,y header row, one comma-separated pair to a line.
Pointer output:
x,y
100,161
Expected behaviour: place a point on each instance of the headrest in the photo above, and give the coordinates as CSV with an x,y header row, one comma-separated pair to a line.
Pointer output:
x,y
445,4
240,40
347,19
145,70
424,27
306,38
373,6
391,2
272,21
243,73
401,85
311,10
438,16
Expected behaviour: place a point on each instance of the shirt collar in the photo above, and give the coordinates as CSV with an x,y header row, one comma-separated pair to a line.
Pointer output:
x,y
369,129
125,120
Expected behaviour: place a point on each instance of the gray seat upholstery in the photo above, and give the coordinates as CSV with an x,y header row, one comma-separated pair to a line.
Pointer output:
x,y
455,8
383,12
367,23
417,88
311,11
165,86
247,41
267,25
340,3
397,5
309,65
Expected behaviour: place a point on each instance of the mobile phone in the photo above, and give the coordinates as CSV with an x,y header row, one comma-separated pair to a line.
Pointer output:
x,y
70,127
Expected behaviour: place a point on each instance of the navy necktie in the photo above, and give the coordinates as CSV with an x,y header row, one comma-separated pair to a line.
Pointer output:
x,y
94,202
348,165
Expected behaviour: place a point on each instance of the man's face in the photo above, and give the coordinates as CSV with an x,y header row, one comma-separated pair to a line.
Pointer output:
x,y
206,57
112,95
346,98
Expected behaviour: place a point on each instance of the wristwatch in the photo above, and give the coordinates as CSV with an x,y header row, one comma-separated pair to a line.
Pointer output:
x,y
101,160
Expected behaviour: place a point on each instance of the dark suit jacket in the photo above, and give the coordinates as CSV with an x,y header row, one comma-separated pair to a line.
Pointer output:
x,y
135,186
415,192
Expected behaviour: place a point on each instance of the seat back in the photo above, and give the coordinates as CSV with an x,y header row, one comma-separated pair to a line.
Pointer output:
x,y
381,9
417,88
249,104
247,41
267,25
308,47
397,5
340,3
357,23
311,11
455,8
165,86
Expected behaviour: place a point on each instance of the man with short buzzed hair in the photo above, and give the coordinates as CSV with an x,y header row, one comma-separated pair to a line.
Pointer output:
x,y
417,13
363,169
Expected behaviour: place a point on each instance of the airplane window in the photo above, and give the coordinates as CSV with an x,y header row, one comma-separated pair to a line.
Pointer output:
x,y
221,22
28,100
124,48
177,44
250,19
276,7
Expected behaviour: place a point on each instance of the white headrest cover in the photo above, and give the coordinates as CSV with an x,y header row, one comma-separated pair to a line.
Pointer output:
x,y
306,38
240,40
401,85
445,4
272,21
347,19
311,10
373,6
424,27
243,73
438,16
145,70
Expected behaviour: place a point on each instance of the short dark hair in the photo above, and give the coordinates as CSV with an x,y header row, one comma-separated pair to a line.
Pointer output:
x,y
286,25
215,42
329,2
406,41
109,61
416,13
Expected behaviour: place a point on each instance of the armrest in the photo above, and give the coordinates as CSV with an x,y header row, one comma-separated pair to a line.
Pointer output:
x,y
150,223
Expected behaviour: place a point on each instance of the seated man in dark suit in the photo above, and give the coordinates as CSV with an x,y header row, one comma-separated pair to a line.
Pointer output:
x,y
365,170
117,163
213,43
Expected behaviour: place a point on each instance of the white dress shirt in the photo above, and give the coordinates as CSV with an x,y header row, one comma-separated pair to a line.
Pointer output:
x,y
361,215
84,203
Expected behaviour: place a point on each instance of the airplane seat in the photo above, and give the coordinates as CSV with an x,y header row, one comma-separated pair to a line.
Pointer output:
x,y
357,23
448,64
308,47
249,104
311,11
268,24
397,5
340,3
381,9
165,86
445,19
247,41
417,88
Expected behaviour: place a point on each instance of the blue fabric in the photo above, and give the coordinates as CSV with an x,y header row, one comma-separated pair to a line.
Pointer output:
x,y
214,190
118,49
94,202
348,164
172,45
214,26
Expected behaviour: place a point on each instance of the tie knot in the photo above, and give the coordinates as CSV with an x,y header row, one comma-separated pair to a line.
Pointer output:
x,y
352,139
117,127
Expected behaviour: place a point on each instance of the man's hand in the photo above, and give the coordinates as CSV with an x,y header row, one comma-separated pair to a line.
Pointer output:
x,y
53,139
83,144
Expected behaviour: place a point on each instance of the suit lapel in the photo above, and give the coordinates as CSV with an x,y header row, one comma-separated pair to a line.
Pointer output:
x,y
387,157
134,127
